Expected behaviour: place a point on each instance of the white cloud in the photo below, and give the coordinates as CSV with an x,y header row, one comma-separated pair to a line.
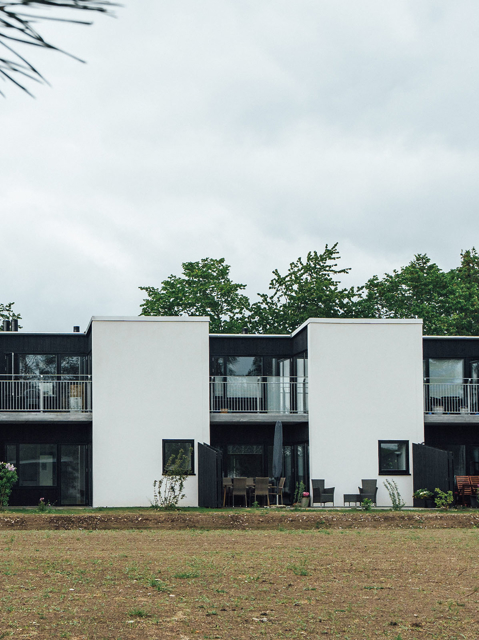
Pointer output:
x,y
253,131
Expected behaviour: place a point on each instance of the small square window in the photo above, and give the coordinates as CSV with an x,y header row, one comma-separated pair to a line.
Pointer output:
x,y
171,449
393,457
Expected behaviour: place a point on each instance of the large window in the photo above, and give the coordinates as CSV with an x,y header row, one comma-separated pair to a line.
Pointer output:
x,y
171,449
393,457
37,364
61,470
37,465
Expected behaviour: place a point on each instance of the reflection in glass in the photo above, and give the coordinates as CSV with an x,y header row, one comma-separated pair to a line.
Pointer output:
x,y
11,454
37,465
73,481
393,456
244,461
446,376
37,364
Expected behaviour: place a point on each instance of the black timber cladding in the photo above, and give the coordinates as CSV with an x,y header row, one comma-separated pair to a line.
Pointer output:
x,y
42,343
255,345
460,347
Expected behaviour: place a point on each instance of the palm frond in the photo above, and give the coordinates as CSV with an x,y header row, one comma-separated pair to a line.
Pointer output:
x,y
18,28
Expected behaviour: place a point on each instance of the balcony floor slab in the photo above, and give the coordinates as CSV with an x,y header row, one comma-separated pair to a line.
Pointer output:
x,y
37,416
231,417
451,418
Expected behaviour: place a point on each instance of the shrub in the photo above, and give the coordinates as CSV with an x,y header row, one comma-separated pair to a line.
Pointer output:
x,y
443,500
168,491
366,504
8,477
396,499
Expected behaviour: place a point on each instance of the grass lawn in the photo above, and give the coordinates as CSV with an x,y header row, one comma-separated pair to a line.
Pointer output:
x,y
397,584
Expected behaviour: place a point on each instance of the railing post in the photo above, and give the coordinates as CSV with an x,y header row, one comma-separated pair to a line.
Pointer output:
x,y
41,394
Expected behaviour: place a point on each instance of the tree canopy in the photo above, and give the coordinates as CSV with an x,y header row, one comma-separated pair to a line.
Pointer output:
x,y
446,301
18,28
204,289
310,289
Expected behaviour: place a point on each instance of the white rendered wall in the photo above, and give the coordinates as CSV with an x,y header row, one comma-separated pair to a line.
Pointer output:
x,y
150,381
365,385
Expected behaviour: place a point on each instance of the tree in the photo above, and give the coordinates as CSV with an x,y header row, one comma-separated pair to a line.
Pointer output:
x,y
464,297
204,289
17,28
310,289
419,290
7,313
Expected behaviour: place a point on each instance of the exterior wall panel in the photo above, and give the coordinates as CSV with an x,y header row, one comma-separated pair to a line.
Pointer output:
x,y
365,385
150,382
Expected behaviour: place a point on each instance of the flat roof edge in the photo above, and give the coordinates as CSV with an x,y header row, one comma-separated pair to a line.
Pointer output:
x,y
358,321
146,319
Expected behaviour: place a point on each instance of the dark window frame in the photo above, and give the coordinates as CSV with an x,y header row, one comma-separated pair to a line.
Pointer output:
x,y
189,441
393,472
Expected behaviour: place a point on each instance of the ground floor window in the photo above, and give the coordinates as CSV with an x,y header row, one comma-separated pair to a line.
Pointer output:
x,y
57,472
393,457
171,449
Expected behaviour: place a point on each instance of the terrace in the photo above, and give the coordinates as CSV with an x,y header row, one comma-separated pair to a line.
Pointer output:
x,y
261,397
451,401
69,395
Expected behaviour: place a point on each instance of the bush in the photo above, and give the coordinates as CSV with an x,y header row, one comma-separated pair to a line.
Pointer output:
x,y
443,500
396,499
168,491
8,477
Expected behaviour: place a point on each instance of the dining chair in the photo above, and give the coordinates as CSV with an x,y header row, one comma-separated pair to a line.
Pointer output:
x,y
261,489
239,489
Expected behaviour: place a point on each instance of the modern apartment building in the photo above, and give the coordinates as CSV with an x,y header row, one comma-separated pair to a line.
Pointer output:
x,y
92,418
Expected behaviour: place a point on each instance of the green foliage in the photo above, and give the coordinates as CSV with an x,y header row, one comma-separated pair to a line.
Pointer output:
x,y
366,504
298,493
443,499
422,494
168,491
8,477
204,289
446,301
394,495
310,289
7,313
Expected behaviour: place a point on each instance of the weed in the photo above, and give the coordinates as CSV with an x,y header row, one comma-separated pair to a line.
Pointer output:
x,y
139,613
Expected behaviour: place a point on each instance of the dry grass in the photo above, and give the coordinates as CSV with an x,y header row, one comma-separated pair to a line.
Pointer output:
x,y
397,584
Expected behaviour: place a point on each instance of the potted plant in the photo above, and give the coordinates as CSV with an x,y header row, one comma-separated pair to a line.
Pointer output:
x,y
305,500
426,495
298,495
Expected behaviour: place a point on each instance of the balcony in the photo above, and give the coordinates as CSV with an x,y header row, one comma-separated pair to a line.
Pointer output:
x,y
265,396
454,401
45,394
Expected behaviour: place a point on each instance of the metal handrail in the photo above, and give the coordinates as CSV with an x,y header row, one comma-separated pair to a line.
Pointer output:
x,y
452,397
46,394
259,394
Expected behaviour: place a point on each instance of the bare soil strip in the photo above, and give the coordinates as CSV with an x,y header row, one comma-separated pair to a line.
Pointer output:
x,y
242,520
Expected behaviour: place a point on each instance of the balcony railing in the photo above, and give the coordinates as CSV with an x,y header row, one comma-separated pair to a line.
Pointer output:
x,y
45,393
461,397
265,394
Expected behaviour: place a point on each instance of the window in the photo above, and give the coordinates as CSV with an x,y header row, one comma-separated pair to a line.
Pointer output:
x,y
37,364
173,448
393,457
37,465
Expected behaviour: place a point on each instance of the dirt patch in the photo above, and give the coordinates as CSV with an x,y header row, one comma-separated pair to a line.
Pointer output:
x,y
239,585
242,520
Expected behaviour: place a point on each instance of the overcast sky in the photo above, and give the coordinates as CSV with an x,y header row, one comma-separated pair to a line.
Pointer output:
x,y
254,130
